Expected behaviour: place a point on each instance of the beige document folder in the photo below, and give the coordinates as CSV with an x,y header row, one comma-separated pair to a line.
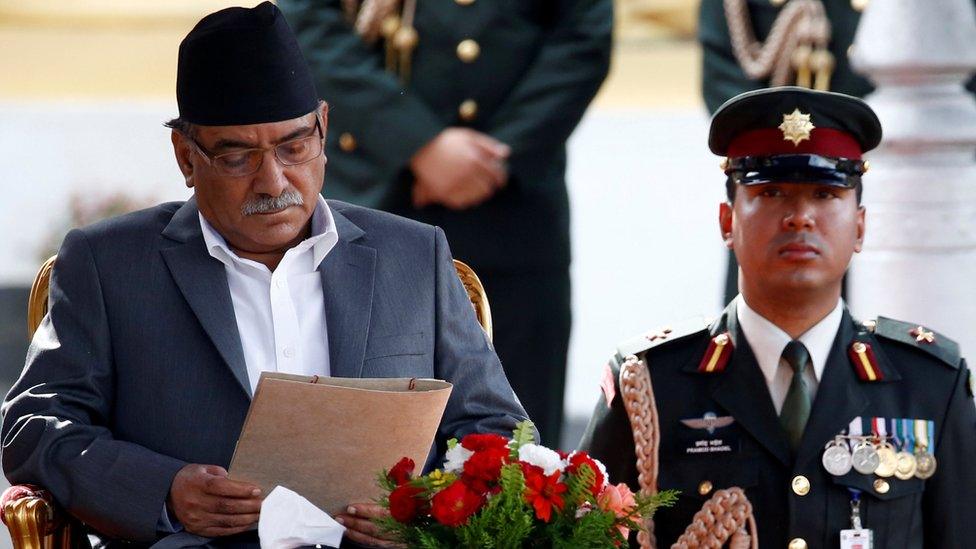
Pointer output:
x,y
328,438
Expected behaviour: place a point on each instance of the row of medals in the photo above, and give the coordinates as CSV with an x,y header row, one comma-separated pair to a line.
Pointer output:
x,y
872,455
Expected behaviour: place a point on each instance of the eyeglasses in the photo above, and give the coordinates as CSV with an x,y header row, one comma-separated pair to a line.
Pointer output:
x,y
242,162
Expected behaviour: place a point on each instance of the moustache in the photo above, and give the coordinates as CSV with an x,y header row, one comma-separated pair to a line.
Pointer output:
x,y
267,204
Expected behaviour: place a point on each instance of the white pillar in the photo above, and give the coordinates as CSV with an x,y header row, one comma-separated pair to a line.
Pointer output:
x,y
919,258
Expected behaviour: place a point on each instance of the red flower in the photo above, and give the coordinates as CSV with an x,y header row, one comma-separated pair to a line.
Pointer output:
x,y
401,472
406,503
453,505
488,441
543,492
580,459
483,468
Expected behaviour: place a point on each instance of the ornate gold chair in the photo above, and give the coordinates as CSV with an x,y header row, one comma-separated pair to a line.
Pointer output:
x,y
34,519
476,293
726,517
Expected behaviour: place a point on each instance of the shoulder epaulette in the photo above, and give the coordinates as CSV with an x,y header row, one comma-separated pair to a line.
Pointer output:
x,y
920,337
653,338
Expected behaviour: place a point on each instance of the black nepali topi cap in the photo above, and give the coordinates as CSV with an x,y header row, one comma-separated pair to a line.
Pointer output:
x,y
243,66
791,134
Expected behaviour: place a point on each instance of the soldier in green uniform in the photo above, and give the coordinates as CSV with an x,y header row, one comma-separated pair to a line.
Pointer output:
x,y
837,430
725,75
456,113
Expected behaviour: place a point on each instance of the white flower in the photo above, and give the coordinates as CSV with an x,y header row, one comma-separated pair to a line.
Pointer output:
x,y
455,459
543,457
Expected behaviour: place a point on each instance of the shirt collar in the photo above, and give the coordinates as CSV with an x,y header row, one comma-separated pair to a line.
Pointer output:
x,y
323,238
767,340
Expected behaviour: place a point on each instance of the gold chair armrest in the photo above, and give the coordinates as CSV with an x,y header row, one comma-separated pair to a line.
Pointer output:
x,y
37,302
476,293
34,519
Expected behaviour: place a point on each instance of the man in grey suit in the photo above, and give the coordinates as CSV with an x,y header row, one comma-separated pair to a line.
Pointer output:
x,y
138,381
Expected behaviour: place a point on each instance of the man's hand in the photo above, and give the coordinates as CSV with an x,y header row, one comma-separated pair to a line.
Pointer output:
x,y
207,503
459,168
361,528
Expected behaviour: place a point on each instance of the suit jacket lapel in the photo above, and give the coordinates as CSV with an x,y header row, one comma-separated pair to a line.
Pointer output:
x,y
742,390
203,282
840,397
347,284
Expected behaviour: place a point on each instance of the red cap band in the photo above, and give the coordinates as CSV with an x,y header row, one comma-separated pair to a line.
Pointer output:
x,y
770,142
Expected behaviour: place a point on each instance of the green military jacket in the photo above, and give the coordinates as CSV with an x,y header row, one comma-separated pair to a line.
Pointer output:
x,y
718,428
723,78
538,65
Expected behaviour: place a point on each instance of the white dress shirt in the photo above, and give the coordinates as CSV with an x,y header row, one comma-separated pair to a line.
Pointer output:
x,y
767,341
280,314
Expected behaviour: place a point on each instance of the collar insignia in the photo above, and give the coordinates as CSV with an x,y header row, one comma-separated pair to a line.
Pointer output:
x,y
864,361
718,354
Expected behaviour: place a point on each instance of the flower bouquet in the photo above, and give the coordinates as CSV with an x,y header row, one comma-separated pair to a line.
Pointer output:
x,y
495,492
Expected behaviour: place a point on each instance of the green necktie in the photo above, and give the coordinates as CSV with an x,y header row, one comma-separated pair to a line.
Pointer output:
x,y
796,407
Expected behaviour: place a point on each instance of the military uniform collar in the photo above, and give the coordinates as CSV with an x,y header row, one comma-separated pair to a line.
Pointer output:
x,y
848,333
767,340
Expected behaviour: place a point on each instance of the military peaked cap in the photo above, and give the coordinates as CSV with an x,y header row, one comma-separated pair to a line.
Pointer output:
x,y
792,134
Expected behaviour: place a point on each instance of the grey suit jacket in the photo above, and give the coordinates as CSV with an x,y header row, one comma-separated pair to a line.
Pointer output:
x,y
138,368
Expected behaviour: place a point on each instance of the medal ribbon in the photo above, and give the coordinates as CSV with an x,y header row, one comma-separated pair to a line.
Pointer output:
x,y
896,433
878,428
906,426
854,430
931,429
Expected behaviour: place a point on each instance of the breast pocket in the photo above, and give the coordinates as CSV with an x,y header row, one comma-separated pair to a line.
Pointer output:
x,y
891,507
400,355
396,345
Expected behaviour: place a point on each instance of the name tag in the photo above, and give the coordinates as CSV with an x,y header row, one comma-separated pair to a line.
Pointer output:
x,y
709,434
857,538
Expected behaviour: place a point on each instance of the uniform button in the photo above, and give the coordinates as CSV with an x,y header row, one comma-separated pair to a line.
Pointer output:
x,y
288,352
777,3
468,50
464,2
801,485
798,543
705,488
881,486
347,142
468,110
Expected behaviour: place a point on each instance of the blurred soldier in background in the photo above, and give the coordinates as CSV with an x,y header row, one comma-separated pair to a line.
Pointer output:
x,y
752,44
457,114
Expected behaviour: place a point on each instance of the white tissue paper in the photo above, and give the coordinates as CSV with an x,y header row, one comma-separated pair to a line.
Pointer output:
x,y
288,520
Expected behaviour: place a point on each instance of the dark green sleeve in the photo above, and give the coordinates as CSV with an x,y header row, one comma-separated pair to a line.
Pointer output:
x,y
545,106
609,439
389,123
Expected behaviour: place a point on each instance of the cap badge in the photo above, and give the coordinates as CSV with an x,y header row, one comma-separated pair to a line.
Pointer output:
x,y
796,127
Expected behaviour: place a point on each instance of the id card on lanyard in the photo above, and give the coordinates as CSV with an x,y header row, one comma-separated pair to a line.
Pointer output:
x,y
856,537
